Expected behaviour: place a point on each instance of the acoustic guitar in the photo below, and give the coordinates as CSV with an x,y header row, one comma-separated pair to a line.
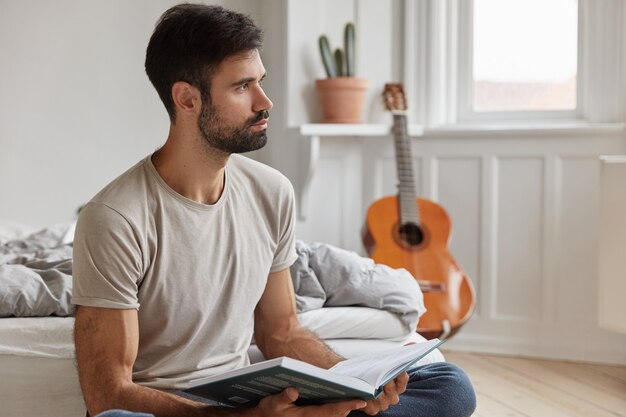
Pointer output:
x,y
404,231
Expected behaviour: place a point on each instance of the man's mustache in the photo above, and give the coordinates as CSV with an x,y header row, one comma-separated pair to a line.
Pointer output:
x,y
258,117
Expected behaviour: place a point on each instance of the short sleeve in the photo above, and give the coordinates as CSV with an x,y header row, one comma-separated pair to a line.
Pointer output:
x,y
107,260
285,253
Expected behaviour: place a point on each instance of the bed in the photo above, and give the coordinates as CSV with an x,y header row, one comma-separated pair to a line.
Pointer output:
x,y
37,368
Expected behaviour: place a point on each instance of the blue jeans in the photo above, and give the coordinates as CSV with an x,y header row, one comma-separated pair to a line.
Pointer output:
x,y
438,389
434,390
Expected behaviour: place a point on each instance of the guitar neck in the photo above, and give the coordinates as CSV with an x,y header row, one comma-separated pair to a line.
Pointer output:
x,y
404,165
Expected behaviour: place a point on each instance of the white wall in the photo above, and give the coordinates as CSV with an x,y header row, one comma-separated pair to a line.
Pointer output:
x,y
76,108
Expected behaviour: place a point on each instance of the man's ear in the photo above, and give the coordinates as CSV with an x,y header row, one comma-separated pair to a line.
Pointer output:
x,y
186,97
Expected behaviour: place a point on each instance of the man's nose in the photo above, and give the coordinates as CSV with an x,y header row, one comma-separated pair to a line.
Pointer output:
x,y
262,102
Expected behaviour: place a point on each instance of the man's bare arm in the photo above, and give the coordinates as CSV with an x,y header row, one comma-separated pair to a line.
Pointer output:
x,y
106,348
278,332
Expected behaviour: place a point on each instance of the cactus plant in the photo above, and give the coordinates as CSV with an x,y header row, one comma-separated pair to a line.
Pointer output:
x,y
327,57
339,60
349,46
342,94
342,63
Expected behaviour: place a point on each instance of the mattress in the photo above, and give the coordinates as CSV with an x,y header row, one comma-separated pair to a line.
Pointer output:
x,y
38,374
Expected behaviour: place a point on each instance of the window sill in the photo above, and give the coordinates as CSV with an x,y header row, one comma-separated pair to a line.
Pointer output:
x,y
535,129
471,130
328,129
613,159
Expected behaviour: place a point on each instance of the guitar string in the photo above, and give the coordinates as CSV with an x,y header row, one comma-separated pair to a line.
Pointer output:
x,y
409,211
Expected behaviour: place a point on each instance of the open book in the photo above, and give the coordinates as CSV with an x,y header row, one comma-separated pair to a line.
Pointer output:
x,y
361,377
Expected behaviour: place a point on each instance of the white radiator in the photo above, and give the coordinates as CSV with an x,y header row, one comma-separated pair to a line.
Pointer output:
x,y
612,245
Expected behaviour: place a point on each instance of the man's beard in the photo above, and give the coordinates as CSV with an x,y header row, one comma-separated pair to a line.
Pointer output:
x,y
230,139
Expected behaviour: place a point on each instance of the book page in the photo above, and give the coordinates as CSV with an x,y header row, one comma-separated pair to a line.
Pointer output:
x,y
379,367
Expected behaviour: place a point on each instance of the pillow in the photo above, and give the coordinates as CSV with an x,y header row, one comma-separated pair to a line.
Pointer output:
x,y
354,322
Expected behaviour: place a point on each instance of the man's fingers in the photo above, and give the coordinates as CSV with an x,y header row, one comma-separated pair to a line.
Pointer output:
x,y
390,389
401,382
391,394
289,395
390,397
341,408
375,407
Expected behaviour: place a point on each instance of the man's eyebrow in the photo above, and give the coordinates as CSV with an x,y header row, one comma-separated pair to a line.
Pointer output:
x,y
247,80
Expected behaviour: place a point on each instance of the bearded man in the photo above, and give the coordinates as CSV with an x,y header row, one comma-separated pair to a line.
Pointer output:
x,y
180,259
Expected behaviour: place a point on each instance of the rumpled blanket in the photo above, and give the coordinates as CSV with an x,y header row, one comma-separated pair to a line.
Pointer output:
x,y
36,274
327,276
36,279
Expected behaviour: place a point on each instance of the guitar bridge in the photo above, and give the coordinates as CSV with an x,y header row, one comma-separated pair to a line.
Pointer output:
x,y
431,286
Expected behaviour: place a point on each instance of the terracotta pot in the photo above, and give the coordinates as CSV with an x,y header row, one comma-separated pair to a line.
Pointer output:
x,y
341,99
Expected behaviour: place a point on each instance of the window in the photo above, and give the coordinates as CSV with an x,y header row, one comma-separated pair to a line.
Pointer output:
x,y
503,62
524,55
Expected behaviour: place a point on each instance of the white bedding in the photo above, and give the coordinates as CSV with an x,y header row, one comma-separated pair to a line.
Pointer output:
x,y
37,337
51,337
36,386
36,273
354,323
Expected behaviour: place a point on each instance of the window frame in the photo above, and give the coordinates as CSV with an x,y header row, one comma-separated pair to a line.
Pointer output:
x,y
438,68
466,78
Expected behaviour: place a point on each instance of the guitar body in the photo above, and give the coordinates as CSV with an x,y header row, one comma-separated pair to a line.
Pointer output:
x,y
448,292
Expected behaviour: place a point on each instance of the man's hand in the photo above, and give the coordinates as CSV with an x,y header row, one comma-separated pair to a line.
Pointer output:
x,y
389,397
282,405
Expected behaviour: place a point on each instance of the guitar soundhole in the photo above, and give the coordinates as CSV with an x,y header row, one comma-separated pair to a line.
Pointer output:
x,y
411,234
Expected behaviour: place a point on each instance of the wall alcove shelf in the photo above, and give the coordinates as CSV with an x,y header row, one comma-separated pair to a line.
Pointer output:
x,y
311,148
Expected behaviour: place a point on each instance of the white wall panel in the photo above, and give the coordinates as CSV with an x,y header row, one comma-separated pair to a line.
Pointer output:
x,y
519,210
336,196
520,231
388,174
459,193
576,290
612,245
327,189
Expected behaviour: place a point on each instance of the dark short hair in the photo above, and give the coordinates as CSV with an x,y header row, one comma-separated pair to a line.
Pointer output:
x,y
190,41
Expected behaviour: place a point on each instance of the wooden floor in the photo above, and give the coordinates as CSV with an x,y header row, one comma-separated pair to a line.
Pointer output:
x,y
514,387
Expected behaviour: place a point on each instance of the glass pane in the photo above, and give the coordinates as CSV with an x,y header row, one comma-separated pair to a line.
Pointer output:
x,y
525,55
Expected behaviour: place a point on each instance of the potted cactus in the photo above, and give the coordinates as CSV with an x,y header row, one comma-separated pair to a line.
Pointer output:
x,y
341,94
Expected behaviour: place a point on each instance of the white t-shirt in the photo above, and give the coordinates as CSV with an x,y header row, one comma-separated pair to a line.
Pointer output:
x,y
195,272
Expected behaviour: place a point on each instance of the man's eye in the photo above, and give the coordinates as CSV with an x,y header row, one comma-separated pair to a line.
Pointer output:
x,y
242,87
